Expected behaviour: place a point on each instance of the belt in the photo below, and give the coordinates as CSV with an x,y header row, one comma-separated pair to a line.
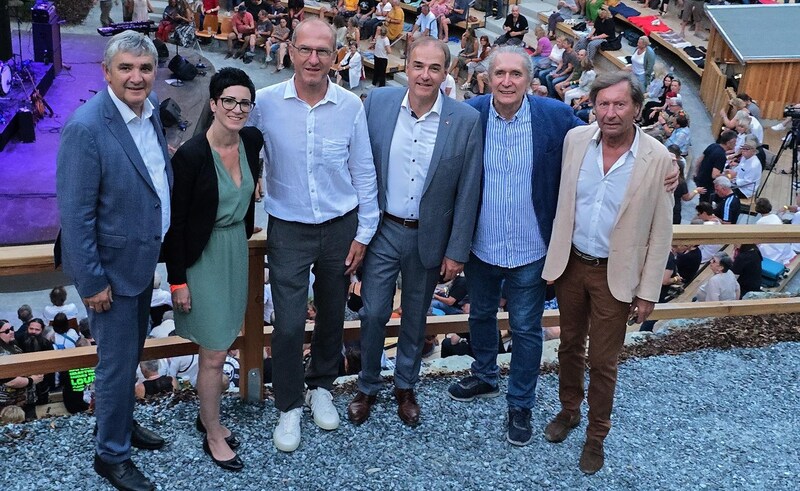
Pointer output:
x,y
402,221
336,219
587,259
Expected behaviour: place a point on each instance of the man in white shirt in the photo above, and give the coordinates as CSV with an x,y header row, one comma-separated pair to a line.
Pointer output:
x,y
607,261
427,151
426,25
323,211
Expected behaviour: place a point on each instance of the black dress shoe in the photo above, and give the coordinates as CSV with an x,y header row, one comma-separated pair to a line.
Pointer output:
x,y
235,464
145,439
231,439
123,476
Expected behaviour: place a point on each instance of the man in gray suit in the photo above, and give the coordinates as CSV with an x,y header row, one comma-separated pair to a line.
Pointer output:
x,y
113,189
427,150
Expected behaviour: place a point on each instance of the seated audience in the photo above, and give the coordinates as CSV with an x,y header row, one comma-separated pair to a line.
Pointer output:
x,y
348,72
458,13
515,27
712,162
781,253
11,415
24,314
746,174
728,204
681,192
278,43
543,46
569,61
574,77
154,383
566,9
451,300
747,268
479,64
64,336
602,32
651,111
658,98
58,298
705,216
15,391
679,134
687,261
750,105
469,50
670,279
721,286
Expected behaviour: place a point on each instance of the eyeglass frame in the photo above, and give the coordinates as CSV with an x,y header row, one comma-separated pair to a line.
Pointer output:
x,y
223,100
321,52
6,331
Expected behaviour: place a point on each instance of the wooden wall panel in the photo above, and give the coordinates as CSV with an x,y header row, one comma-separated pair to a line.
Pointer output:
x,y
773,85
713,94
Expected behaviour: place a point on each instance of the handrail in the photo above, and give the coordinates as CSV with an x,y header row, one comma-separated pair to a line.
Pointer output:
x,y
23,260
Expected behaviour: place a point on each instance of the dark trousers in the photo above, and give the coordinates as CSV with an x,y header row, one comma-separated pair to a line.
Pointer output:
x,y
293,250
587,307
120,334
379,73
393,250
105,13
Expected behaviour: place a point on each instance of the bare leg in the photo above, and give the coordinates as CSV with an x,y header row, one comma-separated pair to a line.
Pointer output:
x,y
209,389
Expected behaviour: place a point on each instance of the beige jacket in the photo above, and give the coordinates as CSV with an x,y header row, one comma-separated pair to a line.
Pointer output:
x,y
641,238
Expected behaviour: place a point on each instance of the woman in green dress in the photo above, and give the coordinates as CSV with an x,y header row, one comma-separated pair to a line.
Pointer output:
x,y
206,246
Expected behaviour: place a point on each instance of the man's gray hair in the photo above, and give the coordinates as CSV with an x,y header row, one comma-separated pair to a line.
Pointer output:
x,y
314,20
527,64
131,42
723,182
606,80
751,140
149,366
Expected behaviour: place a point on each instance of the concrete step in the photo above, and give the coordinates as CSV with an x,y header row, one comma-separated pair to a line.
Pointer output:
x,y
395,83
400,78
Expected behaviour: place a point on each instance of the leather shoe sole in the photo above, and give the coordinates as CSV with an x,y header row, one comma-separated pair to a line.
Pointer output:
x,y
360,407
559,428
234,465
232,440
123,476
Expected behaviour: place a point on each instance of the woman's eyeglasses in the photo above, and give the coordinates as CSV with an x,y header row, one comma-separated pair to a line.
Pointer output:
x,y
229,104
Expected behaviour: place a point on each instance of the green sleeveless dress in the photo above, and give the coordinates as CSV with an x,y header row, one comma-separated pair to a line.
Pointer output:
x,y
218,280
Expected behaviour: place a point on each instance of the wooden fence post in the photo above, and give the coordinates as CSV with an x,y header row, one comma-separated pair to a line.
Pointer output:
x,y
251,351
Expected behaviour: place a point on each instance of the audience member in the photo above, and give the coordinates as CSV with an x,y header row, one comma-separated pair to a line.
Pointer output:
x,y
545,66
671,278
243,25
750,105
426,25
15,391
679,134
566,10
459,13
58,298
25,315
579,88
706,216
478,64
682,191
652,116
781,253
658,96
154,383
712,162
722,285
394,21
453,298
747,267
643,60
687,261
379,17
349,69
602,32
279,43
543,46
746,175
569,60
64,336
515,28
15,414
728,206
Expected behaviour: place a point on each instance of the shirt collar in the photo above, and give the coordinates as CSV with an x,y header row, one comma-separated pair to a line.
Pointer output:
x,y
126,112
634,150
290,92
523,113
437,106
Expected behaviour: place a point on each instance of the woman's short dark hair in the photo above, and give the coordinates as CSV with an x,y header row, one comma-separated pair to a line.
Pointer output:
x,y
606,80
60,323
230,77
763,206
58,296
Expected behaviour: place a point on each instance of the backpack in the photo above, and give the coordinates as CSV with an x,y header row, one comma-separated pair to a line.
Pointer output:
x,y
631,36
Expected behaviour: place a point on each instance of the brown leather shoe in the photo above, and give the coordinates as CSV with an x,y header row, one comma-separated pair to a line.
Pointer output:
x,y
592,457
359,408
407,407
557,430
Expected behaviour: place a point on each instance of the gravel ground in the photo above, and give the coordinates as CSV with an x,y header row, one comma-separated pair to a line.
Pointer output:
x,y
708,419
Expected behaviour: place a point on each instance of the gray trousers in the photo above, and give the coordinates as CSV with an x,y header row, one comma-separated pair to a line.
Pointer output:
x,y
394,249
293,250
120,334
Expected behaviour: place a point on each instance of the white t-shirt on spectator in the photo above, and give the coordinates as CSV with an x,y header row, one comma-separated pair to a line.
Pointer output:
x,y
449,83
781,253
69,309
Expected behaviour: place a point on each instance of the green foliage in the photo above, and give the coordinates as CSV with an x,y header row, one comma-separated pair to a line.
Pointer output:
x,y
73,11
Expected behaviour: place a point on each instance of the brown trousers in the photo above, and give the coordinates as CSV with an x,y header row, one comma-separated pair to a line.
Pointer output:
x,y
587,307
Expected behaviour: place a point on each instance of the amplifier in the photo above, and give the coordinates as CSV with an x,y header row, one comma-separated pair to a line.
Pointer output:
x,y
44,13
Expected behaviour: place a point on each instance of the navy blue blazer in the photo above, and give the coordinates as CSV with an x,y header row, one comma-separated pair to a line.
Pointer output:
x,y
551,120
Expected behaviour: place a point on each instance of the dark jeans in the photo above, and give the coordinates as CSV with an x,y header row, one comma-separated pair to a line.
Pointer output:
x,y
525,291
379,72
294,249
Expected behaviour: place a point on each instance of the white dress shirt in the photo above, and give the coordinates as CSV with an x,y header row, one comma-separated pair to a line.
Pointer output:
x,y
410,158
144,136
318,159
748,175
599,197
782,253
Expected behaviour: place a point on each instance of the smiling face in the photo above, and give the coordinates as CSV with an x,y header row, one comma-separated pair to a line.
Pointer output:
x,y
509,80
131,78
426,71
231,119
312,71
34,328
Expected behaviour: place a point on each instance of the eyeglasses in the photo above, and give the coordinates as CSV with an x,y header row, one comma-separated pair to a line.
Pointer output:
x,y
6,331
306,51
229,104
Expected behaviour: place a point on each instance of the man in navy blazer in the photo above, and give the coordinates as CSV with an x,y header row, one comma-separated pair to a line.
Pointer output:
x,y
521,173
427,150
113,189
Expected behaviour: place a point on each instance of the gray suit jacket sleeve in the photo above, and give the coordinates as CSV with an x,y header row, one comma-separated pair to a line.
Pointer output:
x,y
78,182
467,197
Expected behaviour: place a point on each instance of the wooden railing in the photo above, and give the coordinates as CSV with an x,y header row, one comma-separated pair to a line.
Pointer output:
x,y
38,258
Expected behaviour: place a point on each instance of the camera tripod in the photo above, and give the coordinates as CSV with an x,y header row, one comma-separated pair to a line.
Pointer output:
x,y
790,142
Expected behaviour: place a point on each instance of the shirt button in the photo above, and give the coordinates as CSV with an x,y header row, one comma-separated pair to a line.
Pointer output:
x,y
413,160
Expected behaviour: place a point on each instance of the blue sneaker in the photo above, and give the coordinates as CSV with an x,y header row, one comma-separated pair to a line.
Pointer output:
x,y
468,388
519,426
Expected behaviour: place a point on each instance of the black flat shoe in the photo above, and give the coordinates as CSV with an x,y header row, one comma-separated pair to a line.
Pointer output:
x,y
235,464
231,439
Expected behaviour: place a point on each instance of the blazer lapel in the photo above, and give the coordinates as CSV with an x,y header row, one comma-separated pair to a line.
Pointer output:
x,y
640,166
445,123
120,131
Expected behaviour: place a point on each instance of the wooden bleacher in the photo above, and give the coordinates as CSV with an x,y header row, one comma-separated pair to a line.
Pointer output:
x,y
616,57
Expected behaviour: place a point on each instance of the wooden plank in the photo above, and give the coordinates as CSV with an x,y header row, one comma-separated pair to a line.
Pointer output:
x,y
251,353
735,234
612,56
663,42
29,259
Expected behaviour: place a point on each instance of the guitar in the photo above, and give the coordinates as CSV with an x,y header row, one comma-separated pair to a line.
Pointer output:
x,y
39,106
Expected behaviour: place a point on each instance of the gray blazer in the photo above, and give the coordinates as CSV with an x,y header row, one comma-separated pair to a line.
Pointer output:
x,y
110,211
449,204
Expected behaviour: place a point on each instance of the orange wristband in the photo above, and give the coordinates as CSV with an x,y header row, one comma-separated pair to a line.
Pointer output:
x,y
174,288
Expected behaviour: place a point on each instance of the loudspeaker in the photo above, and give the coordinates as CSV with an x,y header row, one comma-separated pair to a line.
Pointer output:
x,y
170,112
163,51
5,35
26,129
47,44
181,68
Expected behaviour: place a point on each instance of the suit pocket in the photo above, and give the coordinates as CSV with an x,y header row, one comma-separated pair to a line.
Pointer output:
x,y
113,241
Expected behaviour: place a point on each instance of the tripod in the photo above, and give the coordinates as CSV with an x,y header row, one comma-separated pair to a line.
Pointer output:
x,y
790,141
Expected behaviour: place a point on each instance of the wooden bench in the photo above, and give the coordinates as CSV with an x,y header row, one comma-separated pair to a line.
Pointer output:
x,y
616,57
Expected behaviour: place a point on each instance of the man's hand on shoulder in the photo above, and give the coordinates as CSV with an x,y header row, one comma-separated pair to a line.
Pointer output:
x,y
671,181
100,302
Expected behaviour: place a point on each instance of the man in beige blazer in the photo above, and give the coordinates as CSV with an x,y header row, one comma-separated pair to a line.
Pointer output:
x,y
610,241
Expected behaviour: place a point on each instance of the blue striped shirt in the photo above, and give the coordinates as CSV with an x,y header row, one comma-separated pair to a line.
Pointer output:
x,y
508,233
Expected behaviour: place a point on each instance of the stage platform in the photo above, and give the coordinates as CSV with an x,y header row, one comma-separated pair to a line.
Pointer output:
x,y
24,80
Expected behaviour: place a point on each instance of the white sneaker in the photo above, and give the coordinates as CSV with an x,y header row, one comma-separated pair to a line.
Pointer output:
x,y
321,403
778,127
269,58
286,436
